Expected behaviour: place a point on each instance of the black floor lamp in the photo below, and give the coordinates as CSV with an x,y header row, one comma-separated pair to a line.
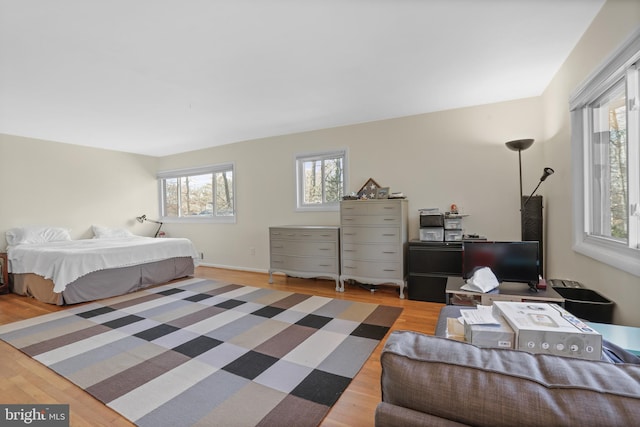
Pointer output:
x,y
531,228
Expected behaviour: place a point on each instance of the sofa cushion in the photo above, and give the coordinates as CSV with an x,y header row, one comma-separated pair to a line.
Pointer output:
x,y
500,387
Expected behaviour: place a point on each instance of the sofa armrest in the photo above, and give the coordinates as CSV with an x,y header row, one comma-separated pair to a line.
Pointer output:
x,y
499,387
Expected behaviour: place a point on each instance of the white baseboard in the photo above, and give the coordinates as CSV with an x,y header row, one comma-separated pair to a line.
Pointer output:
x,y
233,267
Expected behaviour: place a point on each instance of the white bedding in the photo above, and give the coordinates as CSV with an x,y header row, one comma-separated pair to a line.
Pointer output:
x,y
65,261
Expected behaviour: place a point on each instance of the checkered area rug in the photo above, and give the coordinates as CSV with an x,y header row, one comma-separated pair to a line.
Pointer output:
x,y
200,352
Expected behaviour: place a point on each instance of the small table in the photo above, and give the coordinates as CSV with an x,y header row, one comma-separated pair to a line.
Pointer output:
x,y
507,291
626,337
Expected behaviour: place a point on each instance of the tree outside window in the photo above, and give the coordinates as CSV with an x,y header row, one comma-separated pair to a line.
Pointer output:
x,y
320,180
198,193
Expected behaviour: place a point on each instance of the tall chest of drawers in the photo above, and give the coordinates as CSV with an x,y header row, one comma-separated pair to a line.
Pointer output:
x,y
305,251
374,240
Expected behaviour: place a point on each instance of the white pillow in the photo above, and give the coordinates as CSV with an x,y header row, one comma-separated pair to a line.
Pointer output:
x,y
22,235
109,233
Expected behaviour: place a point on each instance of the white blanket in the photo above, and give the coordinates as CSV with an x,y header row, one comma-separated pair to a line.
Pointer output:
x,y
64,262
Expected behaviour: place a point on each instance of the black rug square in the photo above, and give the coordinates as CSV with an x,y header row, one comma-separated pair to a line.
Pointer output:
x,y
96,312
268,311
365,330
197,297
197,346
314,321
250,364
123,321
156,332
230,304
321,387
170,291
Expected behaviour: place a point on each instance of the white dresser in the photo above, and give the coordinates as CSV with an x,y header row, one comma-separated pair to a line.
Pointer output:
x,y
374,240
305,251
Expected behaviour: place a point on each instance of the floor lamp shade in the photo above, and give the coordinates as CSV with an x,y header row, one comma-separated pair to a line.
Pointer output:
x,y
532,225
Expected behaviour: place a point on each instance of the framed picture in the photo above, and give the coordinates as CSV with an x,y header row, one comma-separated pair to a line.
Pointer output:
x,y
382,193
368,189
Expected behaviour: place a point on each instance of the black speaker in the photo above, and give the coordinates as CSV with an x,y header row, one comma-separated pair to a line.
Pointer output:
x,y
532,225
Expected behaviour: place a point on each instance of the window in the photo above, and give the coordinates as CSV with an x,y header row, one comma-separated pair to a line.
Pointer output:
x,y
605,116
205,194
320,180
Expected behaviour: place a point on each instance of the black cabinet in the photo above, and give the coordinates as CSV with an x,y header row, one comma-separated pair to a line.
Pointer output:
x,y
429,265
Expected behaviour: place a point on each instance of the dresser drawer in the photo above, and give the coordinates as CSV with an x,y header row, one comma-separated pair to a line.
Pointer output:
x,y
380,252
304,264
303,234
379,270
371,235
371,220
304,248
371,208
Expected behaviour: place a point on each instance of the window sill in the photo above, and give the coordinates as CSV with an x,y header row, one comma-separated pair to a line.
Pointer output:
x,y
324,208
200,220
622,258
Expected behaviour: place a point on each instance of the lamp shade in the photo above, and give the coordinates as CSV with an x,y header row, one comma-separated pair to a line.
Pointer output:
x,y
519,144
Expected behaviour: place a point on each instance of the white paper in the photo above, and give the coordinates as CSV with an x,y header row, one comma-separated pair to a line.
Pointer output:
x,y
482,315
483,280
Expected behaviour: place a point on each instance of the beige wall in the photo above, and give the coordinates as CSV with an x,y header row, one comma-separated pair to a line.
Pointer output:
x,y
436,159
615,23
48,183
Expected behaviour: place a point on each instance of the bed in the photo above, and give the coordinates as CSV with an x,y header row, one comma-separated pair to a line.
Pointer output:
x,y
47,264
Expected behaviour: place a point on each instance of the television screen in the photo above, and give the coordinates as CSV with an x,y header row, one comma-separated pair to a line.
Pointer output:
x,y
509,261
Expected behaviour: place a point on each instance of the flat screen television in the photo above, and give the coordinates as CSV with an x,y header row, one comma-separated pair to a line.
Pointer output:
x,y
509,261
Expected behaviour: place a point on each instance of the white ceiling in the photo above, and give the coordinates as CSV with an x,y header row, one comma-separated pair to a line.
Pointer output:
x,y
159,77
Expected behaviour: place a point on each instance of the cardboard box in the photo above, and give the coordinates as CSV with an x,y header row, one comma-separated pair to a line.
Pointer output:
x,y
548,328
501,336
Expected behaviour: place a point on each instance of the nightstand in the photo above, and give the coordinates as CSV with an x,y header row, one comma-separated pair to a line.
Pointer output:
x,y
4,267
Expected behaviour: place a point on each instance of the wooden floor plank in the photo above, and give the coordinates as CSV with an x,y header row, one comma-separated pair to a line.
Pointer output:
x,y
25,381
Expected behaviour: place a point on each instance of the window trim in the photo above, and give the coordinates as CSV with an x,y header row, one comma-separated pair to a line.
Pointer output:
x,y
608,251
323,207
199,170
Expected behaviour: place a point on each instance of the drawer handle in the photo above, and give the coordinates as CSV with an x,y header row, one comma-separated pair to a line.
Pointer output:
x,y
389,252
275,233
389,269
306,234
346,266
325,249
278,247
388,207
349,250
350,234
325,235
389,219
324,265
388,234
347,219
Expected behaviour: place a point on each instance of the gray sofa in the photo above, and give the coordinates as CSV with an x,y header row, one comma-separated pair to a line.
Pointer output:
x,y
434,381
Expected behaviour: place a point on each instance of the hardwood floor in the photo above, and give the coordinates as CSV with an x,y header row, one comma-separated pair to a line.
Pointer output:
x,y
24,380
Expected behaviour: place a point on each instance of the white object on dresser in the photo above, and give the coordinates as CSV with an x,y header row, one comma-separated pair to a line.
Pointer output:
x,y
374,240
305,251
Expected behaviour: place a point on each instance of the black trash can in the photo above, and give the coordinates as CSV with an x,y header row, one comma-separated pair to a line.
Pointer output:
x,y
586,304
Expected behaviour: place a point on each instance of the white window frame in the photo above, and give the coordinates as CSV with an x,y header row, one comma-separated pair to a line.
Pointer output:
x,y
299,159
201,170
622,64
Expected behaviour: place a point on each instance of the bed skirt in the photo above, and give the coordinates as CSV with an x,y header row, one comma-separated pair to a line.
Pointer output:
x,y
104,283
